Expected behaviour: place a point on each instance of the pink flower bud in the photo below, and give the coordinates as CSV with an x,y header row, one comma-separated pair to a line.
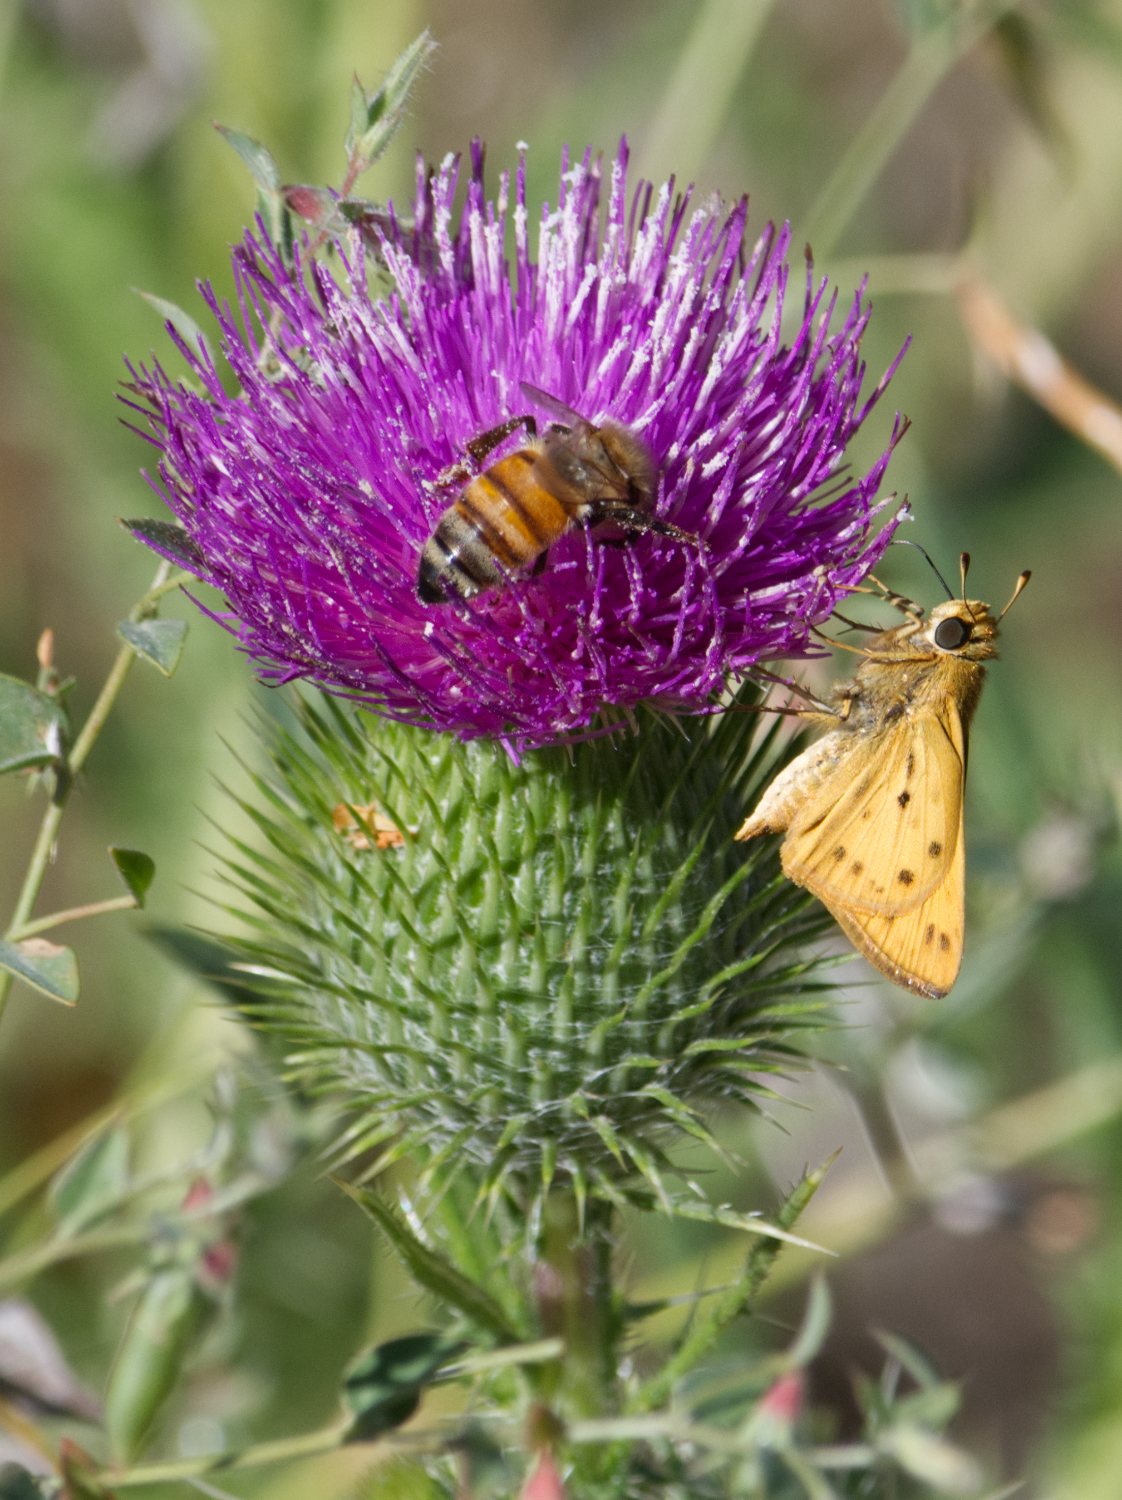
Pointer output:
x,y
784,1400
545,1482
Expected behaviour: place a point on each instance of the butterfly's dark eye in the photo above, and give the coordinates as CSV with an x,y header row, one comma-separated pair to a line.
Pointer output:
x,y
951,634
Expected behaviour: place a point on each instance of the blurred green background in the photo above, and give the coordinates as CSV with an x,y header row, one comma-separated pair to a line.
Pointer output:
x,y
111,179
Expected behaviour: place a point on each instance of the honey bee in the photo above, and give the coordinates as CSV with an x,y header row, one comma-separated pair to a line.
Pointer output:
x,y
506,518
873,811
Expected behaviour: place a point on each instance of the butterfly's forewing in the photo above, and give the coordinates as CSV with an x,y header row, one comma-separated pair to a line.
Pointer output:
x,y
922,949
879,836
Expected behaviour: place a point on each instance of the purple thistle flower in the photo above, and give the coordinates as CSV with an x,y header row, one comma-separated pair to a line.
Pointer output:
x,y
309,495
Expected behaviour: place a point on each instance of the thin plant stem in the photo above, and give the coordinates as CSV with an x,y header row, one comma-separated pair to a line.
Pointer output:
x,y
323,1440
144,608
931,57
73,914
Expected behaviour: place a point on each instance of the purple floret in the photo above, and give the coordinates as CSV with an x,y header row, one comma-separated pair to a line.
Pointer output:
x,y
310,493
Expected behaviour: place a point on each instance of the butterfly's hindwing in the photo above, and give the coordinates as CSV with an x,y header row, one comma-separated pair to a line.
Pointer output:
x,y
922,949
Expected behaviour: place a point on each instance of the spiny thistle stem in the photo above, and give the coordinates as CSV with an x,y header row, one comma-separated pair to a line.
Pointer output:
x,y
711,1323
574,1292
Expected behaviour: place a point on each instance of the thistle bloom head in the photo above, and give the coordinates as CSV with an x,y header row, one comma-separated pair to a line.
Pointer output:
x,y
310,494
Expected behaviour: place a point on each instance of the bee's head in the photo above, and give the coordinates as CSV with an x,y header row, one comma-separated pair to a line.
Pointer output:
x,y
961,627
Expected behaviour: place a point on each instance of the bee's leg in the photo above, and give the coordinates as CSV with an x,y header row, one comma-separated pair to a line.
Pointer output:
x,y
637,520
478,449
539,565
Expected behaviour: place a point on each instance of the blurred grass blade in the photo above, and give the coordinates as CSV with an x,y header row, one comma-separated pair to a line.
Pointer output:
x,y
815,1324
930,59
697,99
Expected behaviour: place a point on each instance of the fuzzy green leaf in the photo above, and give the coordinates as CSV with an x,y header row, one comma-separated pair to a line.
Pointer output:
x,y
376,117
137,870
256,157
33,727
158,641
51,970
434,1271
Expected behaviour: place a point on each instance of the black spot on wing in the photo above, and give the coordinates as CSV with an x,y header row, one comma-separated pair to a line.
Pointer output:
x,y
905,877
934,848
944,942
904,798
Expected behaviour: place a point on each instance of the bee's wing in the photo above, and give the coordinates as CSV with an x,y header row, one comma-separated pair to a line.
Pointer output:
x,y
552,405
922,949
880,834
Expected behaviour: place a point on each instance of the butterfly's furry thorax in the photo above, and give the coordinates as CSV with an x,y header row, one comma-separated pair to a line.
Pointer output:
x,y
907,671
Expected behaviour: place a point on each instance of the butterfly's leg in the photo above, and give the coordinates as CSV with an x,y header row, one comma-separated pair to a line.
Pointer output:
x,y
898,601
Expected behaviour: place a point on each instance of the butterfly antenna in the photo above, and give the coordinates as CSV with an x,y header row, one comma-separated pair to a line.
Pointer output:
x,y
1024,578
903,541
964,568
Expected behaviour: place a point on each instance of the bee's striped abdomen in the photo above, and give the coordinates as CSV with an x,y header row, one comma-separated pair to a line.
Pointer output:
x,y
503,521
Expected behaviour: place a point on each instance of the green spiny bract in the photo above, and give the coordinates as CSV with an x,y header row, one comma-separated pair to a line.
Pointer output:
x,y
563,963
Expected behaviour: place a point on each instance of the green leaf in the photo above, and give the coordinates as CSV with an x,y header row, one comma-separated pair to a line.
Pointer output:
x,y
383,1387
172,540
931,1460
32,727
183,323
815,1324
932,1408
158,641
51,970
150,1358
256,157
92,1182
135,869
433,1270
18,1483
1026,70
921,1370
376,118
